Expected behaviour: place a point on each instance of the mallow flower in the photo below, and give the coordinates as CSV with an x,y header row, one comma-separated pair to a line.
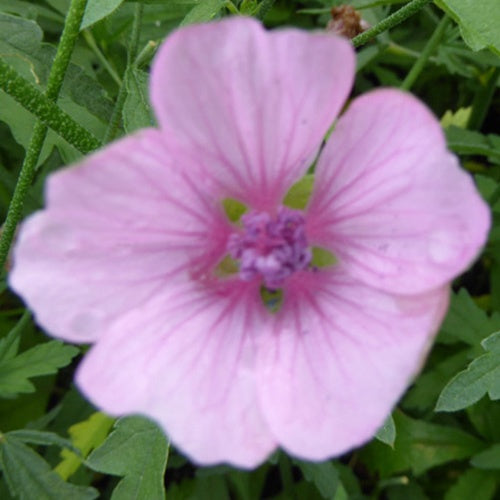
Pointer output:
x,y
224,329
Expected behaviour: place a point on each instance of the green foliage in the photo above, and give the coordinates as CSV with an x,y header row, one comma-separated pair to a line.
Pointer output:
x,y
29,476
17,369
444,439
137,112
420,446
481,377
138,451
387,433
323,475
85,436
203,11
479,26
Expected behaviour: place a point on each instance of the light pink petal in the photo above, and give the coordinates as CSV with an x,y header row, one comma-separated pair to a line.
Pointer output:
x,y
187,360
253,105
391,202
115,229
339,359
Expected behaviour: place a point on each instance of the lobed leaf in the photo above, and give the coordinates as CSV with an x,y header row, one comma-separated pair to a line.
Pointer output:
x,y
30,477
138,451
42,359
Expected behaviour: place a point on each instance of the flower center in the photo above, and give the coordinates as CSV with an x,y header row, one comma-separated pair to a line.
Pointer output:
x,y
272,248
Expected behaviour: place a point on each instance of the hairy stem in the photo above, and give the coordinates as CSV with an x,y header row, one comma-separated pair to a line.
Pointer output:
x,y
398,17
54,84
34,101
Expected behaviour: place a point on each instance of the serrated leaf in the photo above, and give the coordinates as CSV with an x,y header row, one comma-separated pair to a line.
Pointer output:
x,y
481,377
478,26
473,483
137,450
419,446
323,475
85,436
30,477
204,11
137,112
387,433
43,359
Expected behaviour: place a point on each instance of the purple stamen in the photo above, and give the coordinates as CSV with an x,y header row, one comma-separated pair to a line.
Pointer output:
x,y
273,248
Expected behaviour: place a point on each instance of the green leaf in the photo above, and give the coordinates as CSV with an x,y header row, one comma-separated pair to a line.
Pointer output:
x,y
487,459
136,449
30,477
40,437
323,475
468,142
467,322
137,112
387,433
21,44
97,10
425,391
481,377
459,118
42,359
204,11
419,446
473,483
9,345
478,23
85,436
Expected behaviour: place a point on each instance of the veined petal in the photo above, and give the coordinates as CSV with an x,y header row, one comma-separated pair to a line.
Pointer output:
x,y
115,230
186,359
391,202
340,357
253,105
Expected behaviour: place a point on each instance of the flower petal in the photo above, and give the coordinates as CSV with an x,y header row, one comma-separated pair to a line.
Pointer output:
x,y
253,105
391,202
341,355
187,360
115,229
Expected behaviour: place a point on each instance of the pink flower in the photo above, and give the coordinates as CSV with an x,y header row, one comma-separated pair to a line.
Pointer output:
x,y
126,253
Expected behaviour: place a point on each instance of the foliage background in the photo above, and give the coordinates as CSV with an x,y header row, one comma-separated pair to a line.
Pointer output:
x,y
443,440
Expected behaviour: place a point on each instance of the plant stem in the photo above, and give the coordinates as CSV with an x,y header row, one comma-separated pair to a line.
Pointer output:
x,y
89,38
482,101
429,48
122,93
231,7
54,84
389,22
264,8
28,95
